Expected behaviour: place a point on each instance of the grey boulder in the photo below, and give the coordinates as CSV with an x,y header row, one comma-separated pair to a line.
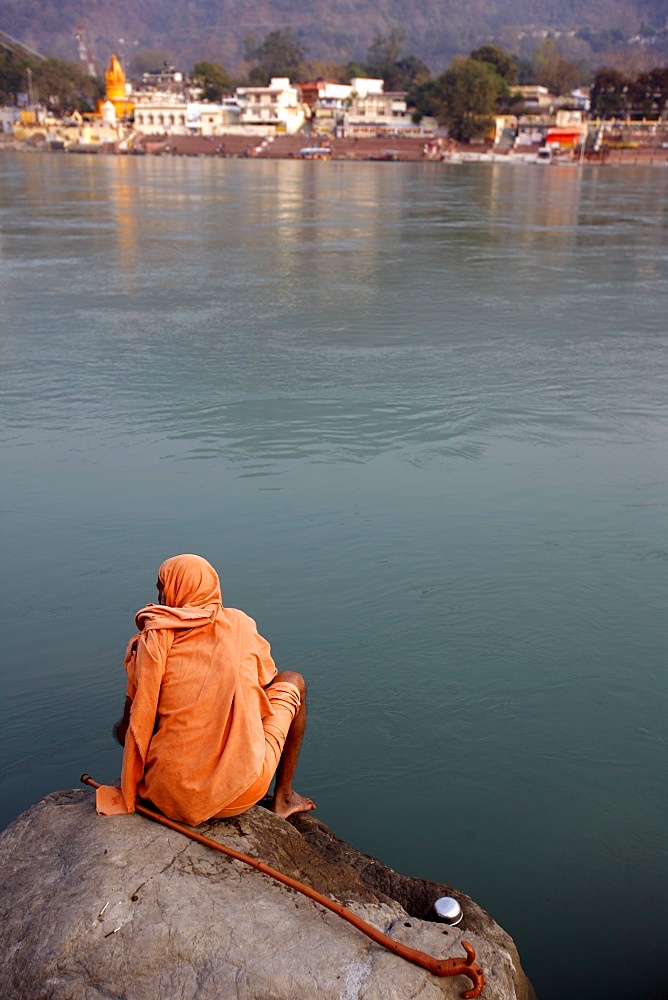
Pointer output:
x,y
98,908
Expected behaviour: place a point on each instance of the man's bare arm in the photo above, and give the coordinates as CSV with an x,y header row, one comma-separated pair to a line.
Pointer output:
x,y
121,727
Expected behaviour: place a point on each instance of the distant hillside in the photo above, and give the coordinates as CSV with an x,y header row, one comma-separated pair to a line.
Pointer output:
x,y
186,31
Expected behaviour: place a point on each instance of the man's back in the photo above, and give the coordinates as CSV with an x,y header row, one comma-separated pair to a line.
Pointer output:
x,y
208,745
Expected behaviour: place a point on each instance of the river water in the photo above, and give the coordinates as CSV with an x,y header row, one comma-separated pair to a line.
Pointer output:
x,y
417,417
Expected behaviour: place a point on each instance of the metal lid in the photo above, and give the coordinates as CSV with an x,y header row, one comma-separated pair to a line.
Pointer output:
x,y
448,910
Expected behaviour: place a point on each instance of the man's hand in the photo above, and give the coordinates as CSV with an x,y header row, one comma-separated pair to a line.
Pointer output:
x,y
121,728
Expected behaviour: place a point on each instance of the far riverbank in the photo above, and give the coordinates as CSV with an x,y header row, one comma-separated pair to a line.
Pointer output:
x,y
374,148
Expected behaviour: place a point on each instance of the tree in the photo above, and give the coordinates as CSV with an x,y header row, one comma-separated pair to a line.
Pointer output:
x,y
410,73
465,96
525,71
213,79
553,71
353,70
278,54
504,65
659,81
609,93
12,75
63,86
616,95
318,69
649,92
384,61
424,97
383,54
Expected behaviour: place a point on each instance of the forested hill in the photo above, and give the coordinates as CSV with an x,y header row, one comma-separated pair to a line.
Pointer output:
x,y
340,30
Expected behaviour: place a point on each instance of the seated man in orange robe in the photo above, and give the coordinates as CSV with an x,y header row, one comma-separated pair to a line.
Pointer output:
x,y
208,720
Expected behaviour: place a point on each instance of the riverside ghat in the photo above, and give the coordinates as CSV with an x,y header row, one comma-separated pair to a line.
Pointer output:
x,y
643,151
123,906
396,149
321,120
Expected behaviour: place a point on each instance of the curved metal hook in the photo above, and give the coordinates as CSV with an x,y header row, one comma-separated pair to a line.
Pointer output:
x,y
464,967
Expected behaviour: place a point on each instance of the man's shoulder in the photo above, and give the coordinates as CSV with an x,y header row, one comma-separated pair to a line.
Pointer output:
x,y
240,618
247,627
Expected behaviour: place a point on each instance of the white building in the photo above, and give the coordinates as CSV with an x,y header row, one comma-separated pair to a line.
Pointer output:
x,y
165,113
372,111
165,79
535,96
272,109
361,108
160,112
364,86
8,118
327,103
109,113
205,119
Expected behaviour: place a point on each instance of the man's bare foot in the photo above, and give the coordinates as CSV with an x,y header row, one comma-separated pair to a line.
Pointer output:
x,y
285,805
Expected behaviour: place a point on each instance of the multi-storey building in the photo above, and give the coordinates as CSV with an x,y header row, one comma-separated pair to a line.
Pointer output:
x,y
273,109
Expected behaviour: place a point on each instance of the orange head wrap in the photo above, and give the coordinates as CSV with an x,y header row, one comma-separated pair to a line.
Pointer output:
x,y
189,581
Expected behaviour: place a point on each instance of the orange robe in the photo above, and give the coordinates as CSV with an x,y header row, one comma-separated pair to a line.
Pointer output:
x,y
196,742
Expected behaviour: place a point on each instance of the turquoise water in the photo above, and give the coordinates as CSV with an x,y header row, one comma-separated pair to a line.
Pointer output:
x,y
417,417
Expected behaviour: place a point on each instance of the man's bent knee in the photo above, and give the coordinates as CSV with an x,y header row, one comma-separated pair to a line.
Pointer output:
x,y
292,677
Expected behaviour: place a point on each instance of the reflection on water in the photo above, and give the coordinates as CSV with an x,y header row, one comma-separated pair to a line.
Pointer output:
x,y
417,416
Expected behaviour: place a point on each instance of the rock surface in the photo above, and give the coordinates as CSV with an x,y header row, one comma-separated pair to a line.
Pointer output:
x,y
119,907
